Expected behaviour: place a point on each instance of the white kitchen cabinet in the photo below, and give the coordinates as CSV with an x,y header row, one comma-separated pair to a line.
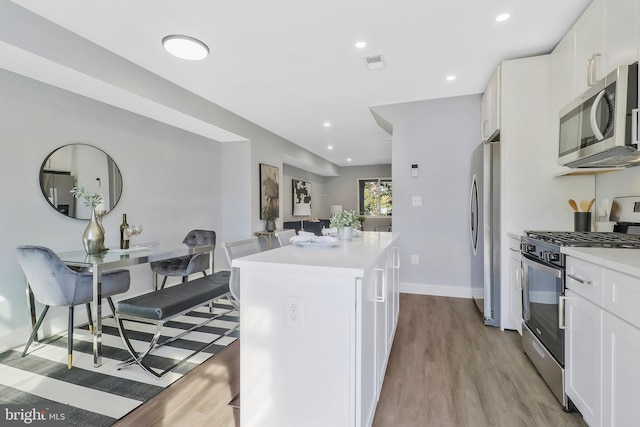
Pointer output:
x,y
515,283
620,33
326,368
393,293
583,356
588,35
491,108
602,339
621,376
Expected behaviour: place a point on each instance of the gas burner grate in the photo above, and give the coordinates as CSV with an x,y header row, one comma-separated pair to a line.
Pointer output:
x,y
587,238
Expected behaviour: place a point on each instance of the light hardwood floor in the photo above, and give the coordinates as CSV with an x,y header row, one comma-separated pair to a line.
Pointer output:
x,y
446,369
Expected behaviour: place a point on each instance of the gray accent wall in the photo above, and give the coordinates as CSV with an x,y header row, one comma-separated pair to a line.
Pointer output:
x,y
439,135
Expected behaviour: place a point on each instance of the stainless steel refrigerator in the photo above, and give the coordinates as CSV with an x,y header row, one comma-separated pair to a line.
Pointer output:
x,y
484,215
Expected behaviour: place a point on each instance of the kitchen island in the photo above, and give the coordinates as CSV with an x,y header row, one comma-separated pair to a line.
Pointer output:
x,y
317,326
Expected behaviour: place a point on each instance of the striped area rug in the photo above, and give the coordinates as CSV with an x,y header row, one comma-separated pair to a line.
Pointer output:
x,y
100,396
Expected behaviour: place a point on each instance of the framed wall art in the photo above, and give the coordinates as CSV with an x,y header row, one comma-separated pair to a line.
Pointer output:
x,y
301,192
269,192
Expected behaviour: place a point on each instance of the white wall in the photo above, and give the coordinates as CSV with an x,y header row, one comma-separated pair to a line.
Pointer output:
x,y
171,183
438,135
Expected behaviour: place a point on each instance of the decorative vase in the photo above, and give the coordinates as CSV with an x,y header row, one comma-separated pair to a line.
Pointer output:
x,y
93,236
345,234
271,224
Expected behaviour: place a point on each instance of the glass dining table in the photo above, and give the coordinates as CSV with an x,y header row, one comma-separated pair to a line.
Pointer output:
x,y
114,259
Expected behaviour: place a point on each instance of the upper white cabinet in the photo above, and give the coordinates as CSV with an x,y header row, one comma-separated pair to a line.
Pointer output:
x,y
620,28
491,108
588,35
605,37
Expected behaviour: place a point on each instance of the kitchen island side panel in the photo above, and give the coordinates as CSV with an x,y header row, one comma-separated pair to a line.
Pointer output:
x,y
302,370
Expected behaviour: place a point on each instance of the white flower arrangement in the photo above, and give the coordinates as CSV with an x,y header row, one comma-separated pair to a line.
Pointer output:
x,y
90,199
345,219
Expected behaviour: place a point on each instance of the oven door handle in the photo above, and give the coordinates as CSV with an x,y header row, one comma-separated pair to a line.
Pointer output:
x,y
556,272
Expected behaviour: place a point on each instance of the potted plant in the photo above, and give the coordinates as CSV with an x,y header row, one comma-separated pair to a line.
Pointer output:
x,y
345,222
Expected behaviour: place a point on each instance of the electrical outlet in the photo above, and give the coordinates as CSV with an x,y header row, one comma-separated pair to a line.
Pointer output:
x,y
294,312
414,259
416,201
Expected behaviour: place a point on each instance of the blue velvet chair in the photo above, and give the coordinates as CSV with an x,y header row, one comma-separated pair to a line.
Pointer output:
x,y
184,266
55,284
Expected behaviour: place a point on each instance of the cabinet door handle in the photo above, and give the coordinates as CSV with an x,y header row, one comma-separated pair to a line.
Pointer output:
x,y
594,68
561,304
518,284
384,281
589,72
579,280
396,257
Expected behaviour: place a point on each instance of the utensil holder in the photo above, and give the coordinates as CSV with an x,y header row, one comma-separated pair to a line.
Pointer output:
x,y
582,221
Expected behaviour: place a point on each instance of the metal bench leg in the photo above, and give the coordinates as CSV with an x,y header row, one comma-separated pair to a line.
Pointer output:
x,y
137,357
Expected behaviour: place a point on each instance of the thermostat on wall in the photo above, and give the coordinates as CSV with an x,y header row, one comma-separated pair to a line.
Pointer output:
x,y
414,170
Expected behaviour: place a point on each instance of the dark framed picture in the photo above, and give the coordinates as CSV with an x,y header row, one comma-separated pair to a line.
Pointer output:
x,y
269,192
301,192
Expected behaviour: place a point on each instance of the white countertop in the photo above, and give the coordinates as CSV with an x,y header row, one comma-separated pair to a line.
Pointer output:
x,y
623,260
355,256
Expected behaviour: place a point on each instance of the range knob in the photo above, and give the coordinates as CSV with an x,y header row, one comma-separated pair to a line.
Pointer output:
x,y
527,247
549,256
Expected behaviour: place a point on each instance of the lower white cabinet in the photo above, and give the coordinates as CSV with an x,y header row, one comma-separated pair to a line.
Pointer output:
x,y
602,344
621,376
583,356
515,283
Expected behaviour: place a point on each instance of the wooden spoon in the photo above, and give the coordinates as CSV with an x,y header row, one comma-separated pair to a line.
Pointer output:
x,y
572,203
590,205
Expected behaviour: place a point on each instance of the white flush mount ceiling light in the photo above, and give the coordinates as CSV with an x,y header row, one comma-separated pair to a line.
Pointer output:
x,y
185,47
502,17
360,45
450,78
330,147
326,124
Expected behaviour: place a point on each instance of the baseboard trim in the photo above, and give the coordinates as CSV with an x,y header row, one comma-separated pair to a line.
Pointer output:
x,y
435,290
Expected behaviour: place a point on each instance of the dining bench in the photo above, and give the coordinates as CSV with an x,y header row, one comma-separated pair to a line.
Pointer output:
x,y
161,306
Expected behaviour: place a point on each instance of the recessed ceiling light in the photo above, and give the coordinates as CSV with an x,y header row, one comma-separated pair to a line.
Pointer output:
x,y
326,124
502,17
450,78
360,45
330,147
349,159
185,47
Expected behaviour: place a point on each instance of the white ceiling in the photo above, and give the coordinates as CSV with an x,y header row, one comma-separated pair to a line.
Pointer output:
x,y
291,65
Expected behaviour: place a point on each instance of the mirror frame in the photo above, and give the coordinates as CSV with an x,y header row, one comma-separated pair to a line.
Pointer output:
x,y
117,180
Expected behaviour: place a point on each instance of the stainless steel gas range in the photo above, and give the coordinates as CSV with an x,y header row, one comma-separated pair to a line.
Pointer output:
x,y
544,283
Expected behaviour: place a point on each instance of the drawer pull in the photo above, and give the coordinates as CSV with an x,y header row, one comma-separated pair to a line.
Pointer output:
x,y
579,280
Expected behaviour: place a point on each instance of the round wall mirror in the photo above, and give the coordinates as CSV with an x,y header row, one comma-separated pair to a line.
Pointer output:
x,y
79,165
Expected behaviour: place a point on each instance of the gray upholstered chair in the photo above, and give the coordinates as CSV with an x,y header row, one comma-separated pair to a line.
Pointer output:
x,y
284,236
55,284
238,249
184,266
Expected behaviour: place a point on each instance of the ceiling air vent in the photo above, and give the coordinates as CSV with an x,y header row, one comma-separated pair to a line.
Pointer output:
x,y
374,62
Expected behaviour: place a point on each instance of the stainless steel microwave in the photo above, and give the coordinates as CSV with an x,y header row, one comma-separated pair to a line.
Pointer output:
x,y
599,128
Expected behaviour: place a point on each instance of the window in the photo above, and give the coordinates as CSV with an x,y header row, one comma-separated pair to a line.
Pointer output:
x,y
374,195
